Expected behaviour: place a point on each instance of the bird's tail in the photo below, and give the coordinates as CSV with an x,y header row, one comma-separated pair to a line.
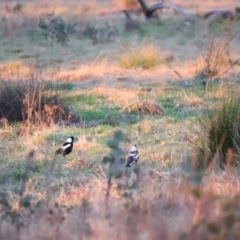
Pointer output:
x,y
59,151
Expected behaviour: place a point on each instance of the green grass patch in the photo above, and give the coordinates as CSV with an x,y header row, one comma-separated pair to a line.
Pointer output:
x,y
90,107
167,102
59,86
86,99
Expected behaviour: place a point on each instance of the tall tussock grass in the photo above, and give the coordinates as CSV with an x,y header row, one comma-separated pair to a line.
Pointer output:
x,y
219,134
143,56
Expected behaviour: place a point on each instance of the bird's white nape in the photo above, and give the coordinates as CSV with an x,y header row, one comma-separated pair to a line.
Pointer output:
x,y
133,149
69,140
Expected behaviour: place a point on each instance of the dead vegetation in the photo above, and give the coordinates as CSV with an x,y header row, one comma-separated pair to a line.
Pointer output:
x,y
98,69
77,164
145,107
143,56
216,55
29,102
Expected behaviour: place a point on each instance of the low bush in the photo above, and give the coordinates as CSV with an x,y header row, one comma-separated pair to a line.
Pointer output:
x,y
54,27
215,55
28,102
100,35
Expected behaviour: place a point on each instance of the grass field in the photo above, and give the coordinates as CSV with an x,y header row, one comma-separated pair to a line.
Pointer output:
x,y
153,84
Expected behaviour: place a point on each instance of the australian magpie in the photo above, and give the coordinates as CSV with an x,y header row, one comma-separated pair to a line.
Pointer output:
x,y
66,147
132,156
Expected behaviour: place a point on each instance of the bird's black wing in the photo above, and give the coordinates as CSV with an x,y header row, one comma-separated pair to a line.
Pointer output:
x,y
132,158
61,149
130,161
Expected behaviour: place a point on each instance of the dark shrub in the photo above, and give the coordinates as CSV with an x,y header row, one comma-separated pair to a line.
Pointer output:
x,y
27,101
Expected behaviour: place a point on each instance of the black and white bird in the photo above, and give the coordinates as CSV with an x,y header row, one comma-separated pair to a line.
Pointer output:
x,y
132,156
66,147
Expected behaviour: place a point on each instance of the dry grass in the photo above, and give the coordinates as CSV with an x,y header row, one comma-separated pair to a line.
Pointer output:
x,y
21,70
94,70
145,127
77,164
173,203
219,93
145,107
161,202
120,96
145,56
192,100
15,70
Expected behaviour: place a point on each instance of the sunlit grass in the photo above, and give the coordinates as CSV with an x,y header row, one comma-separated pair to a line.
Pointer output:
x,y
145,56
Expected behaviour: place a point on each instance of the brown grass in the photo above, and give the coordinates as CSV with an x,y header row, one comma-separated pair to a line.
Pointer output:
x,y
94,70
145,107
119,96
77,164
15,70
145,56
172,203
28,102
192,100
144,126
